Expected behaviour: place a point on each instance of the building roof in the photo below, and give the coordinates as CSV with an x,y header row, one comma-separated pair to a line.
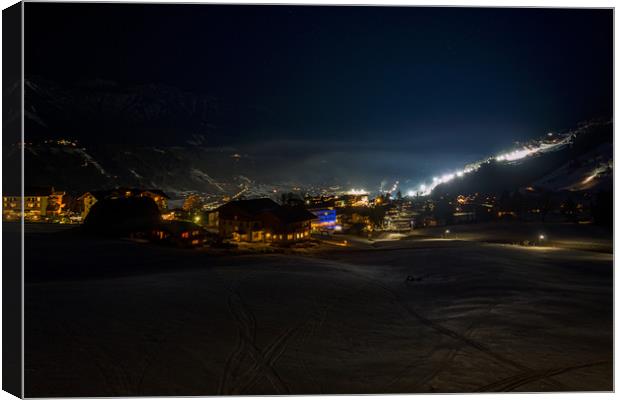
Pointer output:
x,y
154,191
292,214
178,227
257,208
248,208
97,194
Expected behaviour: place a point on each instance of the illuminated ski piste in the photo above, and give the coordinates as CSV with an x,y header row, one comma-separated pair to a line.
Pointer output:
x,y
541,146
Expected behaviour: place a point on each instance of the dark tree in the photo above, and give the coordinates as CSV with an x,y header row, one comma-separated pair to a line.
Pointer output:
x,y
570,210
377,216
505,202
122,216
545,205
603,209
291,199
518,204
444,211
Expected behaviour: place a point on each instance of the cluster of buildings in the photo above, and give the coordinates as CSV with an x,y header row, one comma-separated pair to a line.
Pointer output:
x,y
242,220
294,219
46,204
256,220
261,220
39,204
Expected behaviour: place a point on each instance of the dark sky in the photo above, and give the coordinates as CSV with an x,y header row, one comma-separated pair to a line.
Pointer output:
x,y
422,86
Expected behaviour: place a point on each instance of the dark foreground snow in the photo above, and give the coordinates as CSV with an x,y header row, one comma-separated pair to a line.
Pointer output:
x,y
108,318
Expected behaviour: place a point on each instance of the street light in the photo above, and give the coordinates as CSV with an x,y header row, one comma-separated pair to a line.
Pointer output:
x,y
541,238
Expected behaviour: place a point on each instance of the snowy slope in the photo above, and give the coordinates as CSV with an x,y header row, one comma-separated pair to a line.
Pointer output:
x,y
173,169
587,172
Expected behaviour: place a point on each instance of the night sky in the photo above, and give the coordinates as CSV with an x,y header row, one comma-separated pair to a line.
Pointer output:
x,y
407,90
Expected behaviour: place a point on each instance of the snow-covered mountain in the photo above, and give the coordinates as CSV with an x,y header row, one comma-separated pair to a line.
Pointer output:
x,y
584,163
164,137
590,171
149,113
175,169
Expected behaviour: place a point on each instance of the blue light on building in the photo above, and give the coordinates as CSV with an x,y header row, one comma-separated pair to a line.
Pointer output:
x,y
325,218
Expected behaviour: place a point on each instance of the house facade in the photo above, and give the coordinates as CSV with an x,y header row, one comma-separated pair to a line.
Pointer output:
x,y
262,220
39,205
178,233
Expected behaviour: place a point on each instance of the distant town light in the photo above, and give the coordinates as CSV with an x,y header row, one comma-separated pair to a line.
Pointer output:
x,y
541,237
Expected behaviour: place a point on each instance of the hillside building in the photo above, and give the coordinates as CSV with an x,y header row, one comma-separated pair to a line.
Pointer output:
x,y
40,204
262,220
